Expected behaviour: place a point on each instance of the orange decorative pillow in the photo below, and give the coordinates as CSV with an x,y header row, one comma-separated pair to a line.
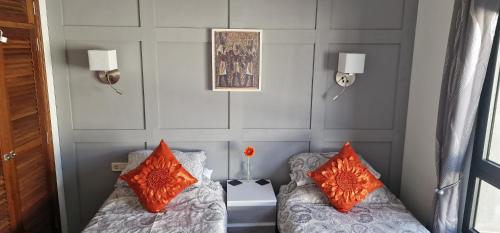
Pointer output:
x,y
344,179
159,179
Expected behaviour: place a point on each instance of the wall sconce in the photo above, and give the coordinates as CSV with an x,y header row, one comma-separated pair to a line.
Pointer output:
x,y
106,65
349,65
3,39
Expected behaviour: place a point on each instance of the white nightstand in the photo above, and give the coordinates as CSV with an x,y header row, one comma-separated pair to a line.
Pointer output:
x,y
251,207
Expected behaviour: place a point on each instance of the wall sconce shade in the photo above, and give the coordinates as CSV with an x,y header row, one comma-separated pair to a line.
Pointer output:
x,y
351,63
106,65
102,60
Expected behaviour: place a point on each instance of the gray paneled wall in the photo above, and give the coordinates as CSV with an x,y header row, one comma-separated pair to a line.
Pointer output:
x,y
164,56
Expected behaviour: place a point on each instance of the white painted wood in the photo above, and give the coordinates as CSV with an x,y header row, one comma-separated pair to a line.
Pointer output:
x,y
249,193
251,207
53,116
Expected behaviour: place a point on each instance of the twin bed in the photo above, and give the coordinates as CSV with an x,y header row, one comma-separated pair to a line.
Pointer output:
x,y
306,209
198,209
302,207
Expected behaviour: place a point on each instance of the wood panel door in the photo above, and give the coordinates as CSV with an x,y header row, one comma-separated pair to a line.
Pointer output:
x,y
5,202
19,11
28,198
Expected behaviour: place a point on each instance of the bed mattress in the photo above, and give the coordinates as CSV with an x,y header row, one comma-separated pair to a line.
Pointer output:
x,y
306,209
198,209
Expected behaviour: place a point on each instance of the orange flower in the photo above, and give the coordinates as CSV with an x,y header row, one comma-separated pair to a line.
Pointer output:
x,y
249,151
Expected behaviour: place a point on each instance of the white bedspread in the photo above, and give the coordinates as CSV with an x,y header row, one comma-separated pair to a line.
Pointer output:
x,y
198,209
306,209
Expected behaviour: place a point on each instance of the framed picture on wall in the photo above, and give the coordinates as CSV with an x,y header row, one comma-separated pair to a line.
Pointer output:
x,y
236,60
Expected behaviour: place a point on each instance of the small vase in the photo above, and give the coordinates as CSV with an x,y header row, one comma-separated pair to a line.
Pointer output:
x,y
249,177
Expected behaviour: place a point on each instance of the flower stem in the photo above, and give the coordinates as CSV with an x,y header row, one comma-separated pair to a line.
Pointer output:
x,y
248,168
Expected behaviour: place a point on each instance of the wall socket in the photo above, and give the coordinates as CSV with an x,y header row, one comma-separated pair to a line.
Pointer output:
x,y
118,166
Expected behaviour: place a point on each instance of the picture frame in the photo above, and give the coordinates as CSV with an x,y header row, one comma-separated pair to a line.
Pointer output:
x,y
237,60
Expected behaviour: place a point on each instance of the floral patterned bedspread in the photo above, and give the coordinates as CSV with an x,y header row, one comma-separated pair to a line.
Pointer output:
x,y
198,209
305,209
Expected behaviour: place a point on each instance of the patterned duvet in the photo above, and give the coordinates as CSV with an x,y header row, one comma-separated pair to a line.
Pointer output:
x,y
305,209
198,209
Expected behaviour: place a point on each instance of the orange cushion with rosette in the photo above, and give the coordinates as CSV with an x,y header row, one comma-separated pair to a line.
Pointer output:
x,y
344,179
159,179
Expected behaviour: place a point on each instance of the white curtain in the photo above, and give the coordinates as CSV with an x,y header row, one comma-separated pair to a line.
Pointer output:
x,y
469,47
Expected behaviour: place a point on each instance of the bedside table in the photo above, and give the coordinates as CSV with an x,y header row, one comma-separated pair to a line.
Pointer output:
x,y
251,207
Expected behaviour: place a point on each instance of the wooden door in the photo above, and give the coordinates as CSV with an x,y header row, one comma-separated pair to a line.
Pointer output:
x,y
27,181
19,11
5,203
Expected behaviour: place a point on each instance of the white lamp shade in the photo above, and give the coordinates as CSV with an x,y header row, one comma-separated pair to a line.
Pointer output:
x,y
102,60
351,63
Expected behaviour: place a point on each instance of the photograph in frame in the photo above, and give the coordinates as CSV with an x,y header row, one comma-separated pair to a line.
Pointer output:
x,y
236,59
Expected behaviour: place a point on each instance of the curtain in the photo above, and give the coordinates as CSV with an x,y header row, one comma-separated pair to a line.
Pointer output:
x,y
469,47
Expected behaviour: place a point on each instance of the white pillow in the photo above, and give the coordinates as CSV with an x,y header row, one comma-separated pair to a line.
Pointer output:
x,y
207,173
135,158
301,164
193,162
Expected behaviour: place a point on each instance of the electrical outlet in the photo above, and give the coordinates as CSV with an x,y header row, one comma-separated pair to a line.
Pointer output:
x,y
118,166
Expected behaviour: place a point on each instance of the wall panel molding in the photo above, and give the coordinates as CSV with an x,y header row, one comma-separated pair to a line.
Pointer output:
x,y
86,33
191,13
185,98
99,110
101,13
108,135
332,135
164,47
277,135
360,14
371,104
184,35
275,14
360,36
95,179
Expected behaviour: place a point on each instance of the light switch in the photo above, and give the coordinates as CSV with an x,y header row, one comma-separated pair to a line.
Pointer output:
x,y
118,166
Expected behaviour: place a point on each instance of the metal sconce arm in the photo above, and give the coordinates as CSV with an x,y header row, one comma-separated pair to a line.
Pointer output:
x,y
110,78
